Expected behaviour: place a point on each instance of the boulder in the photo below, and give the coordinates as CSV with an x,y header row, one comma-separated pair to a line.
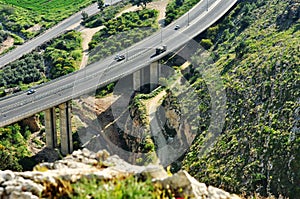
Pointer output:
x,y
191,188
87,164
32,122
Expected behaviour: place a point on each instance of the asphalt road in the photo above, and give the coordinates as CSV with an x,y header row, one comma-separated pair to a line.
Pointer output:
x,y
53,93
49,34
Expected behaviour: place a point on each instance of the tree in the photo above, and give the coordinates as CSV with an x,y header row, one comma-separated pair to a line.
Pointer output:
x,y
179,3
100,4
240,49
206,43
84,15
8,161
142,3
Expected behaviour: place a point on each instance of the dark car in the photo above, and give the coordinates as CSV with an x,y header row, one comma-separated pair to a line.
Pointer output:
x,y
30,91
119,57
160,49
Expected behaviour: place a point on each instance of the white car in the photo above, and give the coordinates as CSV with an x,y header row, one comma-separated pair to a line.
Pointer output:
x,y
30,91
119,57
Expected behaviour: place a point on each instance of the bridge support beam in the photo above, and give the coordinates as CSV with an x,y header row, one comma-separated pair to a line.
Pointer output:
x,y
136,81
154,74
50,128
65,128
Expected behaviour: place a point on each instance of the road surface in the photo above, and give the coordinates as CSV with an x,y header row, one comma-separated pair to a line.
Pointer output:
x,y
49,34
53,93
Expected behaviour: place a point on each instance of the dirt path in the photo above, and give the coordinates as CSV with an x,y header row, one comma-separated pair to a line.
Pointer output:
x,y
97,106
153,103
91,107
161,7
9,42
32,146
157,5
87,33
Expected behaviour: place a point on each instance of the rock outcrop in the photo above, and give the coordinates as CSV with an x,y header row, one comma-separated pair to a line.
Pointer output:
x,y
32,122
84,163
192,188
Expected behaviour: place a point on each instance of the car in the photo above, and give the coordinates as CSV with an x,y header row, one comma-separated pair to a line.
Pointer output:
x,y
106,5
160,49
119,57
177,27
30,91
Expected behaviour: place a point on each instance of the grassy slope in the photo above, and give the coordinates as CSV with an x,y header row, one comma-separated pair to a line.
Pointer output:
x,y
18,16
257,50
52,10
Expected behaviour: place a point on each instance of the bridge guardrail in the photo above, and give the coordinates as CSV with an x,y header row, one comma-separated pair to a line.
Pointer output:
x,y
54,103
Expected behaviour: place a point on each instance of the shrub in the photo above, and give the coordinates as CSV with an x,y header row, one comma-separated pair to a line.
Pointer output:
x,y
32,65
206,43
119,33
64,54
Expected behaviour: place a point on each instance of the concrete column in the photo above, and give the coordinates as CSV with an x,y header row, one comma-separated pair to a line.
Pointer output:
x,y
136,82
65,128
143,79
154,68
50,128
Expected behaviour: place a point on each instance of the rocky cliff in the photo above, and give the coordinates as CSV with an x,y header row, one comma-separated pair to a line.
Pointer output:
x,y
54,180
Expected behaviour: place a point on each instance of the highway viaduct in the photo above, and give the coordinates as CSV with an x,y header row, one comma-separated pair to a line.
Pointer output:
x,y
147,76
60,92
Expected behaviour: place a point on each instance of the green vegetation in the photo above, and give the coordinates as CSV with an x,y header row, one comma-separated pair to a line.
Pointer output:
x,y
3,36
122,32
30,68
13,146
206,43
138,110
105,15
84,16
8,161
142,3
257,54
138,124
103,91
20,16
130,187
100,4
150,95
64,54
17,39
256,51
177,8
118,188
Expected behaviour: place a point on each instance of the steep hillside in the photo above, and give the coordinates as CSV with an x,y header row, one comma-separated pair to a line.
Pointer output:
x,y
256,48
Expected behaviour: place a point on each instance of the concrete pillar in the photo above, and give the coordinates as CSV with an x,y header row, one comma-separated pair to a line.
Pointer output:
x,y
50,128
136,81
143,79
154,68
65,128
